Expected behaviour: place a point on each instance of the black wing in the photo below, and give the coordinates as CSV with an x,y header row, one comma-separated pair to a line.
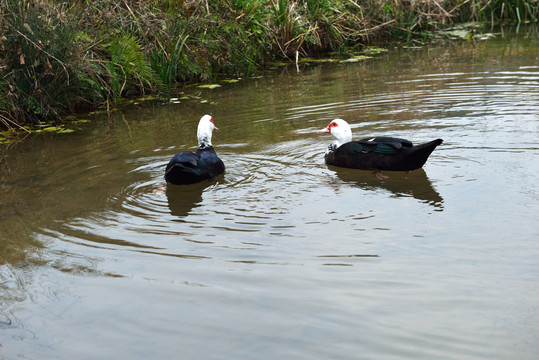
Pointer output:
x,y
184,159
397,143
378,145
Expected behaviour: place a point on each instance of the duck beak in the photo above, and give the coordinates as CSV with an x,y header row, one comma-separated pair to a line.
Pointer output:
x,y
326,130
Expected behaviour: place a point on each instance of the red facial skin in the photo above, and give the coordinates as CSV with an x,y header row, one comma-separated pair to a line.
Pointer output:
x,y
332,124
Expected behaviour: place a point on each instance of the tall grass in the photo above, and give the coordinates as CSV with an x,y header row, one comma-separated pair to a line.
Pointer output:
x,y
35,61
166,60
57,56
502,10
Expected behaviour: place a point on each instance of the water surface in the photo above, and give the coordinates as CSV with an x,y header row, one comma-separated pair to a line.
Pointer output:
x,y
282,256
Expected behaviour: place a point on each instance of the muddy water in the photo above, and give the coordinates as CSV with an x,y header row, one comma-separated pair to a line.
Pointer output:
x,y
283,257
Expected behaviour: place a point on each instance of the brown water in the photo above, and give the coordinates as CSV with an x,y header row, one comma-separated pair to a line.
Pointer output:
x,y
283,257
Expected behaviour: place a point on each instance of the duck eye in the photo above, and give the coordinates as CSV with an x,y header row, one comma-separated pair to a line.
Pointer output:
x,y
333,124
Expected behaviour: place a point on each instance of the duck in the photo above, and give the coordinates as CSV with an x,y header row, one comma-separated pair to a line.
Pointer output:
x,y
189,167
376,153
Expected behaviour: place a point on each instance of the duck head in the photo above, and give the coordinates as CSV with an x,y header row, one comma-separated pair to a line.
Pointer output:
x,y
205,130
341,130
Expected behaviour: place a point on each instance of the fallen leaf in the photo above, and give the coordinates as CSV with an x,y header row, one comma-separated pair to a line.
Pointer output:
x,y
48,67
21,55
209,86
27,27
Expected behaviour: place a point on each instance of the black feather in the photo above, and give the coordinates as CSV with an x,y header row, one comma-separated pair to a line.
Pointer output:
x,y
188,167
381,153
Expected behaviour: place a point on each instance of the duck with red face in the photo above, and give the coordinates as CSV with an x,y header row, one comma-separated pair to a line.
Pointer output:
x,y
189,167
377,153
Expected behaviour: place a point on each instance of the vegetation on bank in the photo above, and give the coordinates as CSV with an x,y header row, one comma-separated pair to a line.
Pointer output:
x,y
60,56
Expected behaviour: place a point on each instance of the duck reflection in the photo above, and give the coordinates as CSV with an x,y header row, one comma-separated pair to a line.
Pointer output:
x,y
182,199
400,183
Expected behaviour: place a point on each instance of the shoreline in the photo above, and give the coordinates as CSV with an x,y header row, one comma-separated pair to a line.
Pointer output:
x,y
57,59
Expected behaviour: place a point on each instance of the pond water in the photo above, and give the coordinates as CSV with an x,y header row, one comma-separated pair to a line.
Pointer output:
x,y
283,257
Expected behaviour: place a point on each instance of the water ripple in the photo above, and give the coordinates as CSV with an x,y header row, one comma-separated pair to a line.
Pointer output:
x,y
282,244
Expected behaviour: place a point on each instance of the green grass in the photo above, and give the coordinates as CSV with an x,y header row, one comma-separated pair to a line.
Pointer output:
x,y
60,56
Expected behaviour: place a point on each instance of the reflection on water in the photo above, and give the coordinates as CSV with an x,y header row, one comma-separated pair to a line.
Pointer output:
x,y
400,184
282,256
183,199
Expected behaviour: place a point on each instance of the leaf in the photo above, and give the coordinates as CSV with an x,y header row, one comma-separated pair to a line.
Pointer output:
x,y
66,131
209,86
21,55
457,33
81,121
27,27
357,58
48,67
52,129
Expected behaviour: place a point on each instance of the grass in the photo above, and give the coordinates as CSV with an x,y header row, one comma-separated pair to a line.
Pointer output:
x,y
60,56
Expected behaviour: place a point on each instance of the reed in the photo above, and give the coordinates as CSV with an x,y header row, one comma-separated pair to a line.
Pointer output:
x,y
58,56
503,10
166,61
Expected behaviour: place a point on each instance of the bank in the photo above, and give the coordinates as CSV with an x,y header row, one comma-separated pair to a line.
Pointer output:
x,y
60,57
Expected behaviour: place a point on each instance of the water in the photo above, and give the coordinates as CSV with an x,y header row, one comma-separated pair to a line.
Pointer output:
x,y
283,257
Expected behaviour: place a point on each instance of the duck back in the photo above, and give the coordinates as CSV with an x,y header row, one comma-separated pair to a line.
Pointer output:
x,y
188,167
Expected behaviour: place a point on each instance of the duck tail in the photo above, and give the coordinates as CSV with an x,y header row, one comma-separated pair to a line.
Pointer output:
x,y
430,145
420,153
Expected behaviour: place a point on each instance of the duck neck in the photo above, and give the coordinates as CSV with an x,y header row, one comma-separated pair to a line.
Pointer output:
x,y
331,148
204,137
204,143
343,138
